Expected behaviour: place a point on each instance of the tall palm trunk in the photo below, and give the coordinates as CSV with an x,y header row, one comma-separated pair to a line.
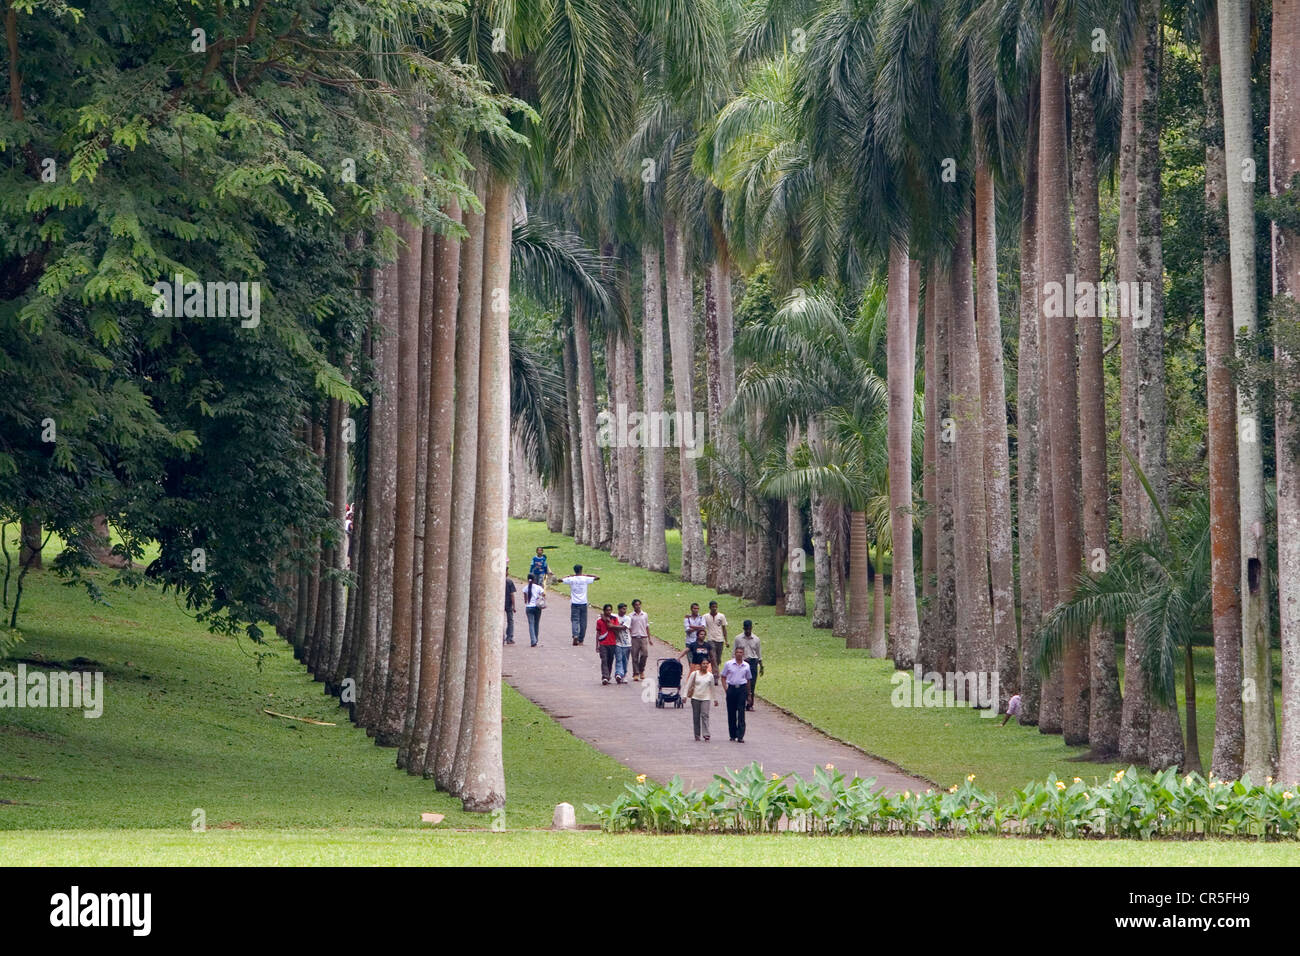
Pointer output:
x,y
717,539
1166,732
823,615
929,477
438,500
1284,166
1054,239
1028,432
483,786
681,337
859,631
975,650
652,377
879,639
940,639
597,494
1135,717
904,631
581,523
795,601
388,732
381,493
1256,663
1221,421
455,643
1104,701
634,508
997,454
727,570
1051,692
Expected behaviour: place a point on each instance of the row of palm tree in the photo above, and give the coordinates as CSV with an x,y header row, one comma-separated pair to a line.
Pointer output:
x,y
867,152
808,193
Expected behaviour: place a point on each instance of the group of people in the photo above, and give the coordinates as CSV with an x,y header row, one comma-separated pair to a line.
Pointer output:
x,y
623,644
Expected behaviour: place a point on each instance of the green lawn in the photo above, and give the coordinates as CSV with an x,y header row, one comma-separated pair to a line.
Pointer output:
x,y
845,692
183,728
591,848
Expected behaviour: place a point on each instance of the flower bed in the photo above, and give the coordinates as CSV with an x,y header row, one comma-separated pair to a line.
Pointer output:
x,y
1129,805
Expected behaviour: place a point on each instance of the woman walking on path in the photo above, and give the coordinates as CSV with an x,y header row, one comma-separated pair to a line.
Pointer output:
x,y
749,643
735,673
534,601
699,691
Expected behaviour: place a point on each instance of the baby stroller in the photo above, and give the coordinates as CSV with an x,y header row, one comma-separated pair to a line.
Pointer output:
x,y
670,682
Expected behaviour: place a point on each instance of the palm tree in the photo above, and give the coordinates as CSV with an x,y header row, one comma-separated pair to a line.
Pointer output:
x,y
1225,532
1284,166
807,360
1062,396
1162,583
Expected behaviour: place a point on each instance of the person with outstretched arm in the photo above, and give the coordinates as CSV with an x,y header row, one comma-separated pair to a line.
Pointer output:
x,y
577,583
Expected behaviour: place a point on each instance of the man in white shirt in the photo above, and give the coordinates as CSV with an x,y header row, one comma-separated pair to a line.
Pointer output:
x,y
577,583
735,674
695,646
639,631
715,629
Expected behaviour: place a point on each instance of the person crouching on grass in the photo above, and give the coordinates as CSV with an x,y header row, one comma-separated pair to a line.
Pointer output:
x,y
606,639
735,674
699,691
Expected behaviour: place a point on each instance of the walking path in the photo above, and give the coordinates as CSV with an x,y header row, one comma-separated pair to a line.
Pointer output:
x,y
622,720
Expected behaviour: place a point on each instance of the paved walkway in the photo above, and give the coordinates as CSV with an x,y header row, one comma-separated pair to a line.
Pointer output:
x,y
622,720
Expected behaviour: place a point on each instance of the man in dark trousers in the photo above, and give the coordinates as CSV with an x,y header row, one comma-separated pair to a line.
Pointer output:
x,y
735,674
510,610
606,639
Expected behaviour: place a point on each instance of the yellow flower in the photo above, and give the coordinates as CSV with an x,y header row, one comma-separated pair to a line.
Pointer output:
x,y
1268,779
1060,785
953,788
970,778
905,794
1119,776
1187,780
1213,784
1078,780
1286,794
776,776
640,778
830,766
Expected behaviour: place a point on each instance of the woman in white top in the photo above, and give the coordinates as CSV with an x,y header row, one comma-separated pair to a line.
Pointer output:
x,y
534,601
699,691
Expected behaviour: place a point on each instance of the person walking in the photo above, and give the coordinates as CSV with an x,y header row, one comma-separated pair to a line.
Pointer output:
x,y
715,630
735,674
622,643
510,610
639,631
699,691
539,569
534,601
694,634
605,641
753,649
577,583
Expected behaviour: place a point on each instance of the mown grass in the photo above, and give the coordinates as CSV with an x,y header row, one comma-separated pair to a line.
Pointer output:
x,y
592,848
183,728
844,692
